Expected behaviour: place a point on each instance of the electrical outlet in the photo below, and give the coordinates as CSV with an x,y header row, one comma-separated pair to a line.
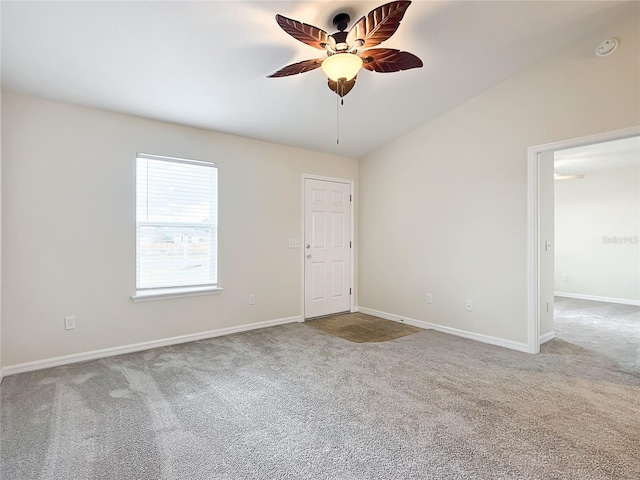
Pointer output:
x,y
252,299
469,306
429,298
69,323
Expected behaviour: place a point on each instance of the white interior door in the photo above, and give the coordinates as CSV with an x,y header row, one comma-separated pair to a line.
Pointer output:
x,y
327,247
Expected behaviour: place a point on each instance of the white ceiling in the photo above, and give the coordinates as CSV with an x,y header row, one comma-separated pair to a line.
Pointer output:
x,y
205,63
599,156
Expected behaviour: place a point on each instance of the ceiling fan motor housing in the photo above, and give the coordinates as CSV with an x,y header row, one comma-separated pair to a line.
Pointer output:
x,y
340,37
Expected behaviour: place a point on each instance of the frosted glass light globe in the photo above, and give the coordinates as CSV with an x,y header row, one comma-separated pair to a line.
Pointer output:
x,y
342,65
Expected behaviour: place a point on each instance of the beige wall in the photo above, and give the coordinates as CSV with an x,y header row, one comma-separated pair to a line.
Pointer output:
x,y
69,228
1,238
443,210
605,203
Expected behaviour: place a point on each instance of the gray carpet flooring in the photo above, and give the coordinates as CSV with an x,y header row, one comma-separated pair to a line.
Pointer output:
x,y
608,329
292,402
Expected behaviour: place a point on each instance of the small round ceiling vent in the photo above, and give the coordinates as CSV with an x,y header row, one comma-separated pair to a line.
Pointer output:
x,y
606,47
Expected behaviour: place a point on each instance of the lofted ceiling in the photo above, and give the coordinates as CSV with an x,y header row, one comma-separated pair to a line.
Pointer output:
x,y
205,63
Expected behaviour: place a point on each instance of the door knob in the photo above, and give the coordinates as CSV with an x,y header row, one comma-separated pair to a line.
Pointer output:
x,y
308,246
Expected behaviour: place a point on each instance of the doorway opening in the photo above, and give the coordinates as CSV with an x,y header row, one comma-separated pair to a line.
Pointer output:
x,y
597,252
582,291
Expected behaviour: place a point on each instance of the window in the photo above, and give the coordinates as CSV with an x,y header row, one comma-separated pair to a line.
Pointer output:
x,y
176,226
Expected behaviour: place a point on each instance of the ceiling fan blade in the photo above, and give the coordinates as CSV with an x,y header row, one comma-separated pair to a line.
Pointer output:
x,y
296,68
385,60
343,88
378,25
312,36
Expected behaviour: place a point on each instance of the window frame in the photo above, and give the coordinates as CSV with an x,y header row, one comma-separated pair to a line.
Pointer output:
x,y
164,292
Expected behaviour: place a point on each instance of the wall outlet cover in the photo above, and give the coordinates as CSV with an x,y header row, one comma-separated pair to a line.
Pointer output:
x,y
69,323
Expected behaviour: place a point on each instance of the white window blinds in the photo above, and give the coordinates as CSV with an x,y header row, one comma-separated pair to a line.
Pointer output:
x,y
176,223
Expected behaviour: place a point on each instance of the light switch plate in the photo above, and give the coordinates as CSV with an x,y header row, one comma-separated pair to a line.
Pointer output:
x,y
294,243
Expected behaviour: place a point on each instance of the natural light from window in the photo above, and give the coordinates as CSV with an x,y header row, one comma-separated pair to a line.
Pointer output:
x,y
177,223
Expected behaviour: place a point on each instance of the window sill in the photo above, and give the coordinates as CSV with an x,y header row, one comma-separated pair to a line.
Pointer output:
x,y
164,293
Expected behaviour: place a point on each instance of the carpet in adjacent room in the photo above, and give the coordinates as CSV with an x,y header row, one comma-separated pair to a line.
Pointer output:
x,y
608,329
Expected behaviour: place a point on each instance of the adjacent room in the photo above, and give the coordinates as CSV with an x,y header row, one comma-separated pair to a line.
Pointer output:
x,y
597,251
309,240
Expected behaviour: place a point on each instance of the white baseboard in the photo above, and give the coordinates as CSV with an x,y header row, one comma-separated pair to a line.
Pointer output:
x,y
136,347
501,342
596,298
547,336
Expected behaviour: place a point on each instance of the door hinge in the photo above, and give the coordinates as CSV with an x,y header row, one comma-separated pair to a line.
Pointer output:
x,y
349,291
351,198
349,243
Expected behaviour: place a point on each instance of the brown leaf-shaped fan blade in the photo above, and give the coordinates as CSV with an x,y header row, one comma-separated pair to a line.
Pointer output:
x,y
313,36
386,60
378,25
343,88
296,68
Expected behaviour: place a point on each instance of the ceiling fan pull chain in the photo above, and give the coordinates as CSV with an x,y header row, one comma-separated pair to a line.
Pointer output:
x,y
337,119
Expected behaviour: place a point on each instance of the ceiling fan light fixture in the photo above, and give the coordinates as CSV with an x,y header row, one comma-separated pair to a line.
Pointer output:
x,y
342,65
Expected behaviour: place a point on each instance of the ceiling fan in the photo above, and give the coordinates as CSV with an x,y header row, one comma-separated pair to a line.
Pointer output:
x,y
348,52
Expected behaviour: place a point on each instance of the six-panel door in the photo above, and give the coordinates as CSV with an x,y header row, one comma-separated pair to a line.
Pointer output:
x,y
327,247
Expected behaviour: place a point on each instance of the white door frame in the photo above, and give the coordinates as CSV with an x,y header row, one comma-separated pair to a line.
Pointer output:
x,y
533,221
352,250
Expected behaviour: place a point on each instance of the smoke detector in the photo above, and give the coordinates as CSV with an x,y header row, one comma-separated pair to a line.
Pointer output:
x,y
606,47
